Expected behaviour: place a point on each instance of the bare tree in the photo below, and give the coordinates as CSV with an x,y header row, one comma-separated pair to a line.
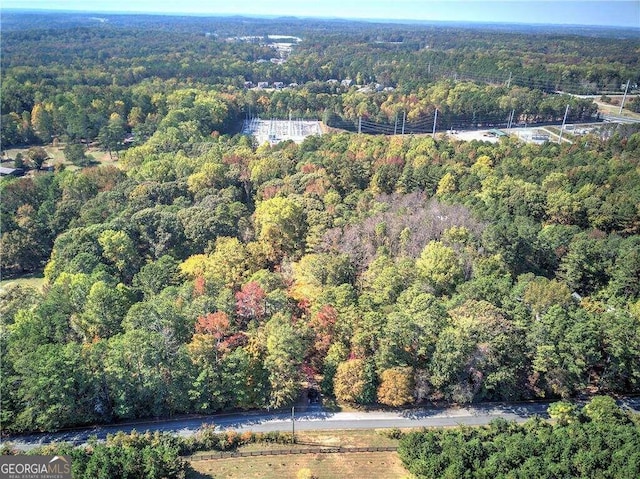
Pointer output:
x,y
404,227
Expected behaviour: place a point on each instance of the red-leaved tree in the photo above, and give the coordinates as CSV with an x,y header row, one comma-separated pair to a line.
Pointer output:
x,y
250,302
217,324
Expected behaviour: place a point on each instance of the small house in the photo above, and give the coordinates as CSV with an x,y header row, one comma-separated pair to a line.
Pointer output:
x,y
4,171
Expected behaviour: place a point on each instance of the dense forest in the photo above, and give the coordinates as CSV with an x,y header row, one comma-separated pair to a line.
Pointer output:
x,y
598,440
206,272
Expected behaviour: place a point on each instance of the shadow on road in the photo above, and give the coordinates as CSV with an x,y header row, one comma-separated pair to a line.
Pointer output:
x,y
520,410
185,426
309,415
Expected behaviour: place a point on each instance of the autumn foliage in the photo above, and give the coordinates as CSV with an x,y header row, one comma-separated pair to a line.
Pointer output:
x,y
396,387
215,324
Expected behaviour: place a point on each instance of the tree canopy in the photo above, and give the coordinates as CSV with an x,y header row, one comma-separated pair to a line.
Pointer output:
x,y
205,272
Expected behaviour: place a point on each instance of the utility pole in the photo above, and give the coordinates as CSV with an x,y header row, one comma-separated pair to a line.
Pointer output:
x,y
435,119
293,424
509,80
359,124
404,117
564,120
513,112
624,97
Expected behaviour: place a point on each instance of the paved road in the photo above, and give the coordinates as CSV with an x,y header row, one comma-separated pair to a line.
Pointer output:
x,y
620,119
314,418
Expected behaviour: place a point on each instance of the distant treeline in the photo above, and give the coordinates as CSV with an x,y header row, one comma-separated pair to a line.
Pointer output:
x,y
65,77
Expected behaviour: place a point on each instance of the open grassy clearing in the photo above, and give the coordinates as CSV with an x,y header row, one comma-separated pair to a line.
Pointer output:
x,y
35,280
356,465
371,465
56,156
613,109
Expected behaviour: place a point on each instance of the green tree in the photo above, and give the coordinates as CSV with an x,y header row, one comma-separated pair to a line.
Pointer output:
x,y
209,220
119,250
565,348
160,232
153,277
385,279
285,351
164,313
23,247
146,375
18,161
563,412
75,153
56,389
104,310
410,334
42,122
541,293
479,355
111,135
603,410
280,226
625,272
10,136
439,266
584,267
37,156
621,348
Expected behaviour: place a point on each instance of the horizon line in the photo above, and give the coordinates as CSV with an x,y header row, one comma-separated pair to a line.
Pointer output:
x,y
312,17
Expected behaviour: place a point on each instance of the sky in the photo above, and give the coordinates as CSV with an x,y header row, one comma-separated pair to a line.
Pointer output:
x,y
575,12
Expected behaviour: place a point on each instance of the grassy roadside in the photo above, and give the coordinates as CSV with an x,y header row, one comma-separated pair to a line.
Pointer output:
x,y
306,439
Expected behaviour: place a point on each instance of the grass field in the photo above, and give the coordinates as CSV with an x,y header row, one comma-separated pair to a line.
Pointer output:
x,y
355,465
35,281
369,465
609,109
56,156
